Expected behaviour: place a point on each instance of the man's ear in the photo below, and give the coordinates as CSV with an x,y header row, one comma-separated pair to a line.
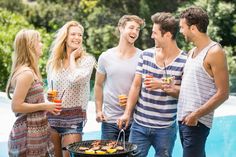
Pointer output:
x,y
168,34
193,28
120,28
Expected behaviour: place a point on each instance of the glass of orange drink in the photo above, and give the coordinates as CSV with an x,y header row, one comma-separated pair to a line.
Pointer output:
x,y
122,99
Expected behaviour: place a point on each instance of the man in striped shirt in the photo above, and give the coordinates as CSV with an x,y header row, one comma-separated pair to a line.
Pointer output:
x,y
205,84
154,91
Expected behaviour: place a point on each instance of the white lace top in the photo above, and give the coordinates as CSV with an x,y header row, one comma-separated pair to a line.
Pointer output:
x,y
75,83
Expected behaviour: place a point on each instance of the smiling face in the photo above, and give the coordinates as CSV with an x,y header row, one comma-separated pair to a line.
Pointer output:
x,y
38,47
130,31
74,38
158,37
185,30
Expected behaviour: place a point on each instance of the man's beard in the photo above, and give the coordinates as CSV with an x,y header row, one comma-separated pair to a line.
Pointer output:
x,y
157,45
187,39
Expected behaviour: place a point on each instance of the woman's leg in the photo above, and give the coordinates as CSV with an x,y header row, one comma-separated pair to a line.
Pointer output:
x,y
56,140
68,139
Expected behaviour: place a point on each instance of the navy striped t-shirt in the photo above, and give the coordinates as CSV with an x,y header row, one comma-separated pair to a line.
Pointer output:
x,y
155,108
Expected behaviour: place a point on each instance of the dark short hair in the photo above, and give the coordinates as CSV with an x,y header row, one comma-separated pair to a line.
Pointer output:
x,y
196,16
167,23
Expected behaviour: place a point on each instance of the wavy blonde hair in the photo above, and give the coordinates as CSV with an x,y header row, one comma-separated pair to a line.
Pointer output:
x,y
24,53
58,48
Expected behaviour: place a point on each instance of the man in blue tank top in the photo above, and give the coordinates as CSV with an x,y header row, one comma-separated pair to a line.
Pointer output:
x,y
205,84
154,91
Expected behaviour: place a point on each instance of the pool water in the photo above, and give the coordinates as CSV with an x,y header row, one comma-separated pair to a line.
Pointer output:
x,y
221,141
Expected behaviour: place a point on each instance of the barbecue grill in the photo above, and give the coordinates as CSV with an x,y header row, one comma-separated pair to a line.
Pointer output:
x,y
75,152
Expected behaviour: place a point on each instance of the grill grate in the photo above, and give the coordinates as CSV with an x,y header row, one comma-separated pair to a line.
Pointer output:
x,y
74,148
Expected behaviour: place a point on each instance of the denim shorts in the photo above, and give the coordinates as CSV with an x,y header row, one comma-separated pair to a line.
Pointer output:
x,y
162,139
75,129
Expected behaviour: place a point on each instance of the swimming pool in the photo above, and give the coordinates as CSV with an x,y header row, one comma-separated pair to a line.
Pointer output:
x,y
221,141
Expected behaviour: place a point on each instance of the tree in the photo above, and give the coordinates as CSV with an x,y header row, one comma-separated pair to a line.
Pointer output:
x,y
11,23
222,28
100,17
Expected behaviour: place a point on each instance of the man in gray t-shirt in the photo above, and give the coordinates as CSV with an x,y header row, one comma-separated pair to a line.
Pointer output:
x,y
115,73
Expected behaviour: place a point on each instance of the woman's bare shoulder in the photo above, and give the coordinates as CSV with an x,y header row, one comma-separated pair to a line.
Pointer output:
x,y
23,73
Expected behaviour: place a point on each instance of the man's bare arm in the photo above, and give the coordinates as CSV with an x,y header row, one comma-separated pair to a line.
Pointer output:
x,y
131,102
98,92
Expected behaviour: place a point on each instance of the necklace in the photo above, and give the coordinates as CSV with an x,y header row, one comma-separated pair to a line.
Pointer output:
x,y
161,59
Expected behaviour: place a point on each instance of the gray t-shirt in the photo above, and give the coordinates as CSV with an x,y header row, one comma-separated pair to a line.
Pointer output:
x,y
119,77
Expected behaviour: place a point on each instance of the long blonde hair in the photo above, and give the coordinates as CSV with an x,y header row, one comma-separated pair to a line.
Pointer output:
x,y
24,54
58,48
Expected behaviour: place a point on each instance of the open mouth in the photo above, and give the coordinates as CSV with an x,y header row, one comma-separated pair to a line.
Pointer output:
x,y
132,36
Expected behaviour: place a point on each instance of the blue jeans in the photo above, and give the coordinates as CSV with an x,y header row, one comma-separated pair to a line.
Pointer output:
x,y
110,131
162,139
193,139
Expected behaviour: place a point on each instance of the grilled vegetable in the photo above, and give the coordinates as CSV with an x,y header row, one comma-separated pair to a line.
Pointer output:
x,y
83,148
111,150
100,152
119,148
90,151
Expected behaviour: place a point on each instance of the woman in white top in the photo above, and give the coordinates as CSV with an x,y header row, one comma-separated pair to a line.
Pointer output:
x,y
70,69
